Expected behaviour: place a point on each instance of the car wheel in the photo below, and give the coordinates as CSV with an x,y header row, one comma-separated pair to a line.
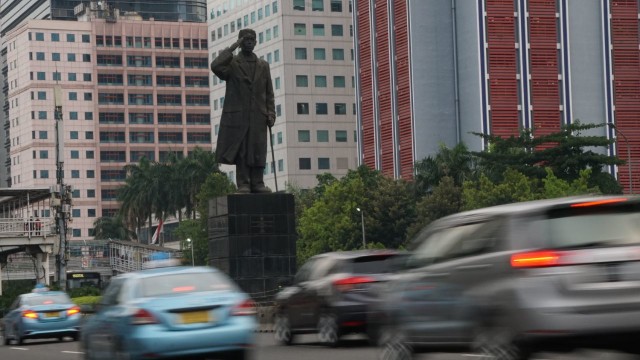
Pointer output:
x,y
244,354
282,329
7,339
328,331
75,337
493,341
394,345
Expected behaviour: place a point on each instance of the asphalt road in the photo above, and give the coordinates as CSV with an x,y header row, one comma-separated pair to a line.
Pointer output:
x,y
306,348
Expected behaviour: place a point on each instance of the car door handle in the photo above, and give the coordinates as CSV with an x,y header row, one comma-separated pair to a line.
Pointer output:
x,y
474,267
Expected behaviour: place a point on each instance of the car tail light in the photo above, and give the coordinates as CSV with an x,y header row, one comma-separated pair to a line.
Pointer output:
x,y
73,310
543,258
30,314
247,307
143,317
352,283
598,202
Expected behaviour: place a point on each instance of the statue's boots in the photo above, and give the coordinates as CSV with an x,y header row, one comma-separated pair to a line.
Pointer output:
x,y
257,182
243,179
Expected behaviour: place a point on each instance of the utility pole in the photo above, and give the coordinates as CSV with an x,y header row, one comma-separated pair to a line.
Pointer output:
x,y
62,200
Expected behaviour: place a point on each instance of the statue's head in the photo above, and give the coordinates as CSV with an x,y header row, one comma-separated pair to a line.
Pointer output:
x,y
249,42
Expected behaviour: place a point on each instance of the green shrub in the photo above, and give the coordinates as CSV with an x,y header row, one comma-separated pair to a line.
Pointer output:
x,y
86,300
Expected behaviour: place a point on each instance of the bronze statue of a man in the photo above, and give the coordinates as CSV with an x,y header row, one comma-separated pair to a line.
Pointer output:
x,y
248,111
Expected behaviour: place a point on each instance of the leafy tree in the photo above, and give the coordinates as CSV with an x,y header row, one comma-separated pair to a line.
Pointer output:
x,y
566,152
216,184
458,163
112,228
515,187
390,211
446,199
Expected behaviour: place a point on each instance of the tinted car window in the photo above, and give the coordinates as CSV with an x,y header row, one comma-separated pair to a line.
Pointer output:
x,y
47,300
183,283
375,264
440,244
599,228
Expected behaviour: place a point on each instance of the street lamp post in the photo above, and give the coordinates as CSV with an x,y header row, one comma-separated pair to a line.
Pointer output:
x,y
191,245
364,238
626,141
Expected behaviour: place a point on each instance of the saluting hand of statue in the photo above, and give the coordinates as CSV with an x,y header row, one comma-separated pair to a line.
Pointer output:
x,y
271,120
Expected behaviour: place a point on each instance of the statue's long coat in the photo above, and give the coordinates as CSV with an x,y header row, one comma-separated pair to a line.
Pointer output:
x,y
248,102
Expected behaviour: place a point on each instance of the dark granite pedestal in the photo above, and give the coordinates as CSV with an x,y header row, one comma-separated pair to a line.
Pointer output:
x,y
252,238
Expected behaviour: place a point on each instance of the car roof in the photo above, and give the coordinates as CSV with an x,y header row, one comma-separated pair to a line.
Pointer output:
x,y
44,293
353,254
167,270
534,206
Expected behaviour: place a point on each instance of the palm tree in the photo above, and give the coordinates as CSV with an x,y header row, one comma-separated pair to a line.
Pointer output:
x,y
136,194
112,228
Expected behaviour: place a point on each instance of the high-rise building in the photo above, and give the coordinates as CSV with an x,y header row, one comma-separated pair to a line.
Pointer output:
x,y
130,88
309,47
432,72
15,12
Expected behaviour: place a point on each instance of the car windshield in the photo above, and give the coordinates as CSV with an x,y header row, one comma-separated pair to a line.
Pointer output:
x,y
375,264
169,284
592,229
47,299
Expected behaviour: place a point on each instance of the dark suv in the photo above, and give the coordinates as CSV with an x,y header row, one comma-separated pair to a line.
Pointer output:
x,y
331,295
511,280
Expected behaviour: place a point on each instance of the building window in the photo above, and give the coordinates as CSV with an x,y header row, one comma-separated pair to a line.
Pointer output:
x,y
75,154
91,193
304,163
71,77
317,5
321,109
89,97
88,115
42,115
91,212
303,108
302,81
336,5
44,154
297,5
73,135
322,135
321,81
338,54
71,38
75,174
71,57
91,174
341,136
301,53
90,154
73,96
276,55
40,56
299,29
318,29
280,165
277,83
340,108
87,58
319,54
42,95
39,36
44,174
86,77
274,7
41,75
278,110
55,37
73,115
337,30
339,81
323,164
304,136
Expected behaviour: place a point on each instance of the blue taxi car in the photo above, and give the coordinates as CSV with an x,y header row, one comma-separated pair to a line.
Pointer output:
x,y
171,312
41,314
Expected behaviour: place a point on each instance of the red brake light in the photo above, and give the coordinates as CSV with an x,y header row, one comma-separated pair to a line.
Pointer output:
x,y
598,202
143,317
73,310
247,307
30,314
536,259
351,283
183,288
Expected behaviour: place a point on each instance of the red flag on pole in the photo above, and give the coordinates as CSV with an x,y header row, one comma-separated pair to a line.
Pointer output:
x,y
156,234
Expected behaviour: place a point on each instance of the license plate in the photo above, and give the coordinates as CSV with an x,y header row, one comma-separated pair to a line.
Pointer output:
x,y
52,314
195,317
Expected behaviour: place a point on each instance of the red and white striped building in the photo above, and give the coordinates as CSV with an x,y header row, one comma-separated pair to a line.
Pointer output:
x,y
431,72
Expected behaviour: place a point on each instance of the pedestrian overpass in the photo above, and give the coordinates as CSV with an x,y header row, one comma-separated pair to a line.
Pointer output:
x,y
25,229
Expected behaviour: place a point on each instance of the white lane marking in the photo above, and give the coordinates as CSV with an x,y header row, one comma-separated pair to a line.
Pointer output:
x,y
17,348
72,352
